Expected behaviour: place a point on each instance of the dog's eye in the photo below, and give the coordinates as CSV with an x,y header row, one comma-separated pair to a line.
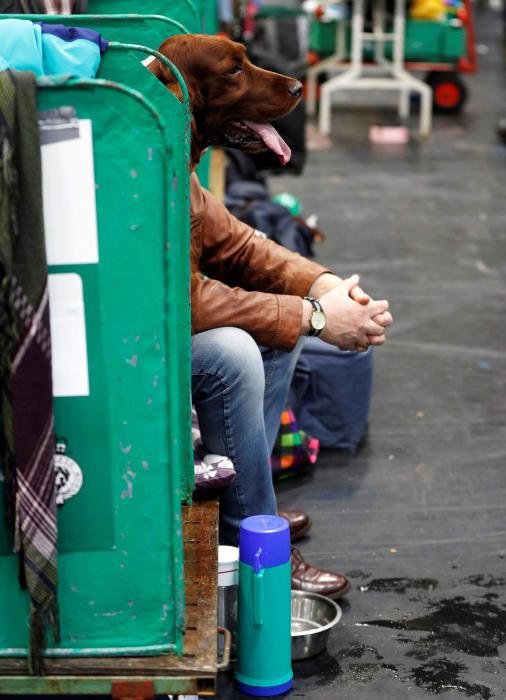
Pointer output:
x,y
236,69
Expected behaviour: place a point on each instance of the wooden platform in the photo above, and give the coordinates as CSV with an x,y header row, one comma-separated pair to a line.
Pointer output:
x,y
195,672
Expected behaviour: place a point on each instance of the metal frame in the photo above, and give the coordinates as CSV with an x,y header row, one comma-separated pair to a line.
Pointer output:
x,y
381,75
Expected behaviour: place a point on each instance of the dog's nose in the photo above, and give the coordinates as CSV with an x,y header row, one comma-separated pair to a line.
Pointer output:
x,y
295,89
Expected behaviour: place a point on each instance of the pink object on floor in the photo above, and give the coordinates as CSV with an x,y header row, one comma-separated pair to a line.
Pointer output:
x,y
388,134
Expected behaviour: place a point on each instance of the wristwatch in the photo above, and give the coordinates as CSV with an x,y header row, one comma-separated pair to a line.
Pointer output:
x,y
318,319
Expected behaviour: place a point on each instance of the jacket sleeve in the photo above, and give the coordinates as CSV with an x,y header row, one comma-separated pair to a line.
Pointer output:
x,y
248,281
235,253
272,319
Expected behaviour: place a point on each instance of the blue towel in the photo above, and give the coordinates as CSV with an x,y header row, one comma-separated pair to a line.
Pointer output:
x,y
50,49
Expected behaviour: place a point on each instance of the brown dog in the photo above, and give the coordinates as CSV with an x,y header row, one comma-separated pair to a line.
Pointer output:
x,y
231,100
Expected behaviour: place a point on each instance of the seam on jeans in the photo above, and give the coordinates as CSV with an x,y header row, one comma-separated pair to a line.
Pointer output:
x,y
272,363
228,437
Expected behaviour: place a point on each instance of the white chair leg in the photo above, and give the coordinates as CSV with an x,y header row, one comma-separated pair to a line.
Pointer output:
x,y
404,103
325,109
425,111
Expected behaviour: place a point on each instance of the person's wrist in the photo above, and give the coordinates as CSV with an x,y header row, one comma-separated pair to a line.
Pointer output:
x,y
323,284
307,310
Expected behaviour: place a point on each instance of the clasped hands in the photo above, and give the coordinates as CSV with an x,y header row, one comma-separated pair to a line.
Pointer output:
x,y
355,321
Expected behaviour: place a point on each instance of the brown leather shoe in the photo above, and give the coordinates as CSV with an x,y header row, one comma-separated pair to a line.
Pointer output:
x,y
299,523
313,580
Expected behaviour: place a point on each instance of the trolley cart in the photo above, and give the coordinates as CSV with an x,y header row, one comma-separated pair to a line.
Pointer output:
x,y
442,51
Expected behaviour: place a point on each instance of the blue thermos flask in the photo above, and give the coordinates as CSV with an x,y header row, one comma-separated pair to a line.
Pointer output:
x,y
264,663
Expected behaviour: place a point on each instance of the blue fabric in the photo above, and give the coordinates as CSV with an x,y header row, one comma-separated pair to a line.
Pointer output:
x,y
239,393
50,49
73,33
331,394
20,46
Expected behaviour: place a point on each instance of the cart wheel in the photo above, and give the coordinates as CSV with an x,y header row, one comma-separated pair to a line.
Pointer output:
x,y
449,92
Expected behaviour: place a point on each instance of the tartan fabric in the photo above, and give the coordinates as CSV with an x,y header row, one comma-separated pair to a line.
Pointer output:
x,y
57,7
54,7
294,451
27,441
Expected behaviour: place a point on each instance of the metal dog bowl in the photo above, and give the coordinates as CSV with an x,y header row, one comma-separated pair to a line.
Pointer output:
x,y
313,616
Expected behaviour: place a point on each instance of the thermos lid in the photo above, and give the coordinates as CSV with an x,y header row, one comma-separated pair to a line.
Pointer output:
x,y
264,541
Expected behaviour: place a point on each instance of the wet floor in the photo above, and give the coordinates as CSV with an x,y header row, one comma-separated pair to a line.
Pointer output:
x,y
416,519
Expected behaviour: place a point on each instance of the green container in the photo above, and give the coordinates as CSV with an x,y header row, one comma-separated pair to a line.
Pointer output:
x,y
120,564
434,41
264,663
263,628
122,63
135,29
454,46
185,11
322,37
425,41
208,16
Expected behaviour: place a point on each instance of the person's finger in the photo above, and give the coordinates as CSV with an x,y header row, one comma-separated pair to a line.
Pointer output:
x,y
376,339
351,282
372,328
362,348
358,294
378,306
385,319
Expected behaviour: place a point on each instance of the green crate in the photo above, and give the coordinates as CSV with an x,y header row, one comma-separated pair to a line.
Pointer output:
x,y
434,41
425,41
455,45
322,37
146,30
120,538
195,16
124,66
187,12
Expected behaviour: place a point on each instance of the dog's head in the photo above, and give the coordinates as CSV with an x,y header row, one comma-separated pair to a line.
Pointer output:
x,y
231,100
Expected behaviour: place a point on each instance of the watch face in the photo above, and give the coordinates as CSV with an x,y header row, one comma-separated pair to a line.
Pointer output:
x,y
318,320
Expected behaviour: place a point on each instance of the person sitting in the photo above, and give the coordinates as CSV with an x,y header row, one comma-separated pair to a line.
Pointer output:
x,y
253,301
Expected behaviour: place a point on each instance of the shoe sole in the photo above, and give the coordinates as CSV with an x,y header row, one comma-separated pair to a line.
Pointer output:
x,y
341,593
332,596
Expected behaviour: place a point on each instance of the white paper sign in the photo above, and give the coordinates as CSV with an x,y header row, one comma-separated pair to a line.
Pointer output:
x,y
68,190
68,335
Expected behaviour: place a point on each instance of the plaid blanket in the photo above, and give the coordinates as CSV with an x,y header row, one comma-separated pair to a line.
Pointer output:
x,y
26,433
47,7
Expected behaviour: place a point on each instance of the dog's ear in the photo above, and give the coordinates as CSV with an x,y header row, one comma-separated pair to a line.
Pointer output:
x,y
177,51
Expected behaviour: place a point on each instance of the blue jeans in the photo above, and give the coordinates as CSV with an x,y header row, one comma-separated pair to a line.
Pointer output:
x,y
239,391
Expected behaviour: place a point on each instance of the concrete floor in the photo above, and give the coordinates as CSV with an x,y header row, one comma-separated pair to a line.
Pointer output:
x,y
416,519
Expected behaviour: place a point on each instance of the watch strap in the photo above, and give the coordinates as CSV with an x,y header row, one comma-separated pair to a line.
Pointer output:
x,y
313,332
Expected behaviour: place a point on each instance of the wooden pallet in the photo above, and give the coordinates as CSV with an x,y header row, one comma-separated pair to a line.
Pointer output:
x,y
194,672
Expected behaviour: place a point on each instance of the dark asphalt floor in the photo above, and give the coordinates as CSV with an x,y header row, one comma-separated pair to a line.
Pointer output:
x,y
416,519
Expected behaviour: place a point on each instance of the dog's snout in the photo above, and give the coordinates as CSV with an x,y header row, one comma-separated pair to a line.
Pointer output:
x,y
295,89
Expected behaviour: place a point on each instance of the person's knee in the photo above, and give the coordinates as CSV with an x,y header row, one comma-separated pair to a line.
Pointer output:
x,y
236,358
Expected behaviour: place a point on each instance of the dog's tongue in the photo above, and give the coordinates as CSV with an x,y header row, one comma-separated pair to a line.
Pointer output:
x,y
272,140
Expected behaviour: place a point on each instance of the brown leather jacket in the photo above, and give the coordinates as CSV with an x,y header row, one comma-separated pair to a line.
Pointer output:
x,y
241,278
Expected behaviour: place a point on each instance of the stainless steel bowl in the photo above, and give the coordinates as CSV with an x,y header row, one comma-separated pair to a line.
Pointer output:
x,y
313,616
